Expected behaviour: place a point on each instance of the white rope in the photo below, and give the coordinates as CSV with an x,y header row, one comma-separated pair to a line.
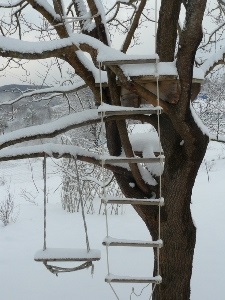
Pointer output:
x,y
152,292
160,149
52,268
45,201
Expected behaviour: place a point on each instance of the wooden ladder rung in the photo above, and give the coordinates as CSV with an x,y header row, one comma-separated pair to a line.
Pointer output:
x,y
133,201
130,279
129,61
131,160
124,111
63,254
109,241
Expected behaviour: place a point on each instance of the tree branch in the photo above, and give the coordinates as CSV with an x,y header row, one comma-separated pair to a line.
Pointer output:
x,y
134,26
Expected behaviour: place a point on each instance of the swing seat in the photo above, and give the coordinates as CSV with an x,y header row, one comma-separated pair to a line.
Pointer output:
x,y
67,254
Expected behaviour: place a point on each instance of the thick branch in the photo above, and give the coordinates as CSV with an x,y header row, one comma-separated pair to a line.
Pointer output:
x,y
59,151
134,26
167,29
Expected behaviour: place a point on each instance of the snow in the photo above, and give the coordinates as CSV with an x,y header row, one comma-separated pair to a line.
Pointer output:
x,y
23,279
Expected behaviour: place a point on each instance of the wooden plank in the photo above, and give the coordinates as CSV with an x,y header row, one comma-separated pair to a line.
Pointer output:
x,y
129,61
128,112
112,242
128,279
153,78
132,160
63,254
133,201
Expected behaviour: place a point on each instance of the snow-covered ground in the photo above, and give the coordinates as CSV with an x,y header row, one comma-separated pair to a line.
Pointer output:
x,y
21,278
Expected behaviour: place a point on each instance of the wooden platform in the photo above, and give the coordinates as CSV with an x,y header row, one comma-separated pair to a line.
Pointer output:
x,y
133,201
64,254
128,279
112,242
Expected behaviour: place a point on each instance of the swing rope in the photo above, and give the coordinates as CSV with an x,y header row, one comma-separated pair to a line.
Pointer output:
x,y
82,206
52,268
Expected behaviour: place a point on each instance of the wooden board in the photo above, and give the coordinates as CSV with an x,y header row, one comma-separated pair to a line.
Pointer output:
x,y
133,201
129,61
63,254
128,112
128,279
112,242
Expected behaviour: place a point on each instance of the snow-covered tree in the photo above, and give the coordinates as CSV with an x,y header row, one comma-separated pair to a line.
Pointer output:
x,y
80,35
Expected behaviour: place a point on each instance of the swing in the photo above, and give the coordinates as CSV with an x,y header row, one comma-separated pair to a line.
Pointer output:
x,y
46,255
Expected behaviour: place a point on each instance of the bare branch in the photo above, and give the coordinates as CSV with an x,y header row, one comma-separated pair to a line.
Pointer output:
x,y
60,90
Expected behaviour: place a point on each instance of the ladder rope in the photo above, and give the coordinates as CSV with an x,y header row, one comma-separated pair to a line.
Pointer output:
x,y
161,168
160,147
45,201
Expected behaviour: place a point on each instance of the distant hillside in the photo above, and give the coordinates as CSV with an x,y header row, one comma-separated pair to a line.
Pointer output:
x,y
20,87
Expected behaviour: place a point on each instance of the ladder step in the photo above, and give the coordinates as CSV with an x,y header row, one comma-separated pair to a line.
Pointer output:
x,y
129,61
128,279
132,160
133,201
109,241
63,254
126,111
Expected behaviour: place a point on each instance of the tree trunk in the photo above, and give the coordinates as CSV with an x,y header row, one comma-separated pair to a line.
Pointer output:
x,y
178,231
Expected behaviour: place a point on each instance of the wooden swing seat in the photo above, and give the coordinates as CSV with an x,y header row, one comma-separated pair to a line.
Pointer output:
x,y
67,254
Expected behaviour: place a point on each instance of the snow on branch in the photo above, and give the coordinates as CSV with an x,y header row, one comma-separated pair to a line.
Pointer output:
x,y
213,61
10,47
59,151
51,129
213,137
59,90
199,122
